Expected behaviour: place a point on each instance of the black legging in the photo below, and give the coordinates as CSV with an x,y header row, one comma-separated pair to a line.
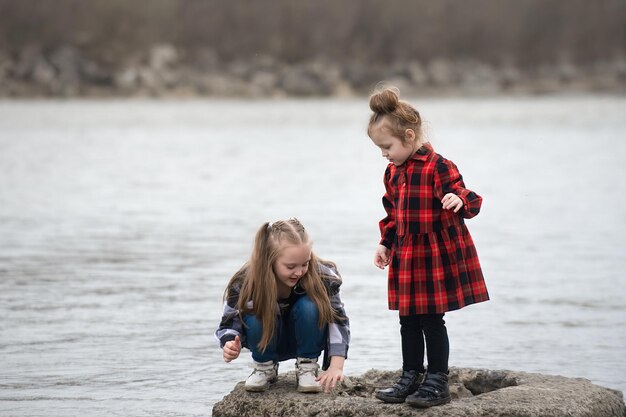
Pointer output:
x,y
413,330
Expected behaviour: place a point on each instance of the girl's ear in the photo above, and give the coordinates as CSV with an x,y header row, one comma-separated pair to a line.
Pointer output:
x,y
409,135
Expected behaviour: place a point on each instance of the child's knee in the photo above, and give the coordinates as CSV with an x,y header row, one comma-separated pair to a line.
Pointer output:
x,y
251,320
304,307
253,328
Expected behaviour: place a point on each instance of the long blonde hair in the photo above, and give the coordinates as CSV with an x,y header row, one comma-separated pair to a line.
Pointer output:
x,y
258,280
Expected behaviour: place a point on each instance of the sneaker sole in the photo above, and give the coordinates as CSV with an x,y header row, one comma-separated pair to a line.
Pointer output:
x,y
257,389
309,389
262,387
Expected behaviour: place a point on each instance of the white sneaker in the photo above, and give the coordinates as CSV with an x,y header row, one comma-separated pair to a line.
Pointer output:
x,y
306,372
264,374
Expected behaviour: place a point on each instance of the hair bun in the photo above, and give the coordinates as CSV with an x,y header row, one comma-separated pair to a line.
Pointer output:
x,y
385,101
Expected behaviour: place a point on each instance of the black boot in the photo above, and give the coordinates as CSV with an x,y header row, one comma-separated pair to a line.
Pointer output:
x,y
407,384
433,391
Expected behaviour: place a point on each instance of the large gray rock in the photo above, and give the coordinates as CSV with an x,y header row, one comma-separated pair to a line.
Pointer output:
x,y
475,393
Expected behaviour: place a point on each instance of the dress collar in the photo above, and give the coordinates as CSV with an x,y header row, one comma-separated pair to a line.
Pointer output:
x,y
423,153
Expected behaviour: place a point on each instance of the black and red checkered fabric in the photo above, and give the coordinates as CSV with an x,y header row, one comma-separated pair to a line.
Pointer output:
x,y
434,266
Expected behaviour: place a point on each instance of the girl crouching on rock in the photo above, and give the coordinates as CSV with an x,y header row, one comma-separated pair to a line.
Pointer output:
x,y
283,304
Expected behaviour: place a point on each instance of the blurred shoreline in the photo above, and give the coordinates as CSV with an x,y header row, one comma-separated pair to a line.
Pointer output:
x,y
166,71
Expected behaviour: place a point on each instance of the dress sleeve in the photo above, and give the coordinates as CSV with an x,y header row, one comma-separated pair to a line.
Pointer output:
x,y
230,325
388,224
449,180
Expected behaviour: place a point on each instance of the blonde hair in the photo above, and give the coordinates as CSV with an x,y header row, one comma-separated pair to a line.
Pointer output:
x,y
258,280
386,104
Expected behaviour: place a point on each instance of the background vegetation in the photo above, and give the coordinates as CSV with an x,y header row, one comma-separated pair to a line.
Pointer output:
x,y
215,33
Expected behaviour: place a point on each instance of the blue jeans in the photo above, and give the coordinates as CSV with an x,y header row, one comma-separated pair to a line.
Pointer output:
x,y
297,334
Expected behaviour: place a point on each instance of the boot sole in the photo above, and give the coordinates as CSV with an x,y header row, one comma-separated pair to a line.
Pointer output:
x,y
392,400
426,404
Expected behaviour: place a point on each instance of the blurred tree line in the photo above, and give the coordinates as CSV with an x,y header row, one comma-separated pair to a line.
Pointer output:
x,y
522,32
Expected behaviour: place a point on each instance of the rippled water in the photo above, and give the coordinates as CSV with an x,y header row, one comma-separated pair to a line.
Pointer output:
x,y
121,221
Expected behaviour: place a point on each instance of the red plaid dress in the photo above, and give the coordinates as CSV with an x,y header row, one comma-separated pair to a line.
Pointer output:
x,y
434,266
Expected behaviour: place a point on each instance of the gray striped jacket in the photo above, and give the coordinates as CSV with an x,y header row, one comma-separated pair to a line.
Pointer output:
x,y
338,334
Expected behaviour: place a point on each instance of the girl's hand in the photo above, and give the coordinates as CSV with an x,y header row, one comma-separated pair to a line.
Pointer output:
x,y
330,378
232,349
452,201
381,257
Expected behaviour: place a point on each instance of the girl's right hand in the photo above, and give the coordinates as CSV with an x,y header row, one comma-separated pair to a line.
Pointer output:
x,y
381,257
232,349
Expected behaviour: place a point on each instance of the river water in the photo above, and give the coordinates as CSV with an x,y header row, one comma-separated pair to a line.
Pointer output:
x,y
121,222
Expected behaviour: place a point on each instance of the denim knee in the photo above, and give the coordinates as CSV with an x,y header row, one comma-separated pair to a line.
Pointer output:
x,y
305,309
310,337
254,333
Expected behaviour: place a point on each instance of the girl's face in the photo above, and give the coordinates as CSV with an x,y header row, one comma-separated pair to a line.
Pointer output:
x,y
393,148
290,266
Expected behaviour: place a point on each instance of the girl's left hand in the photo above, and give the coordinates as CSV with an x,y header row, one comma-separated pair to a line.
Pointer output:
x,y
330,378
452,201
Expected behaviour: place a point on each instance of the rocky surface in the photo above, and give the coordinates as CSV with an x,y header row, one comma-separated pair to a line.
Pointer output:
x,y
165,71
474,392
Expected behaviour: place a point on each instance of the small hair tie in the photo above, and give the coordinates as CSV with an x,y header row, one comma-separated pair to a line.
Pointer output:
x,y
269,225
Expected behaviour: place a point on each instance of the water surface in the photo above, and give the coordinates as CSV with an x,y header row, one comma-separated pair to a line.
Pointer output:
x,y
121,221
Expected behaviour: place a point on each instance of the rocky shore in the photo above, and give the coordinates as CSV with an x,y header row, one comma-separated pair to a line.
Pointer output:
x,y
474,392
165,71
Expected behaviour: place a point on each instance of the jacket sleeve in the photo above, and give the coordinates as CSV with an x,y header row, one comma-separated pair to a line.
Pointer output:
x,y
338,331
230,325
388,224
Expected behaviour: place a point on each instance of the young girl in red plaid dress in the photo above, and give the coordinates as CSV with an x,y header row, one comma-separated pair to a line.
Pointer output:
x,y
433,264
